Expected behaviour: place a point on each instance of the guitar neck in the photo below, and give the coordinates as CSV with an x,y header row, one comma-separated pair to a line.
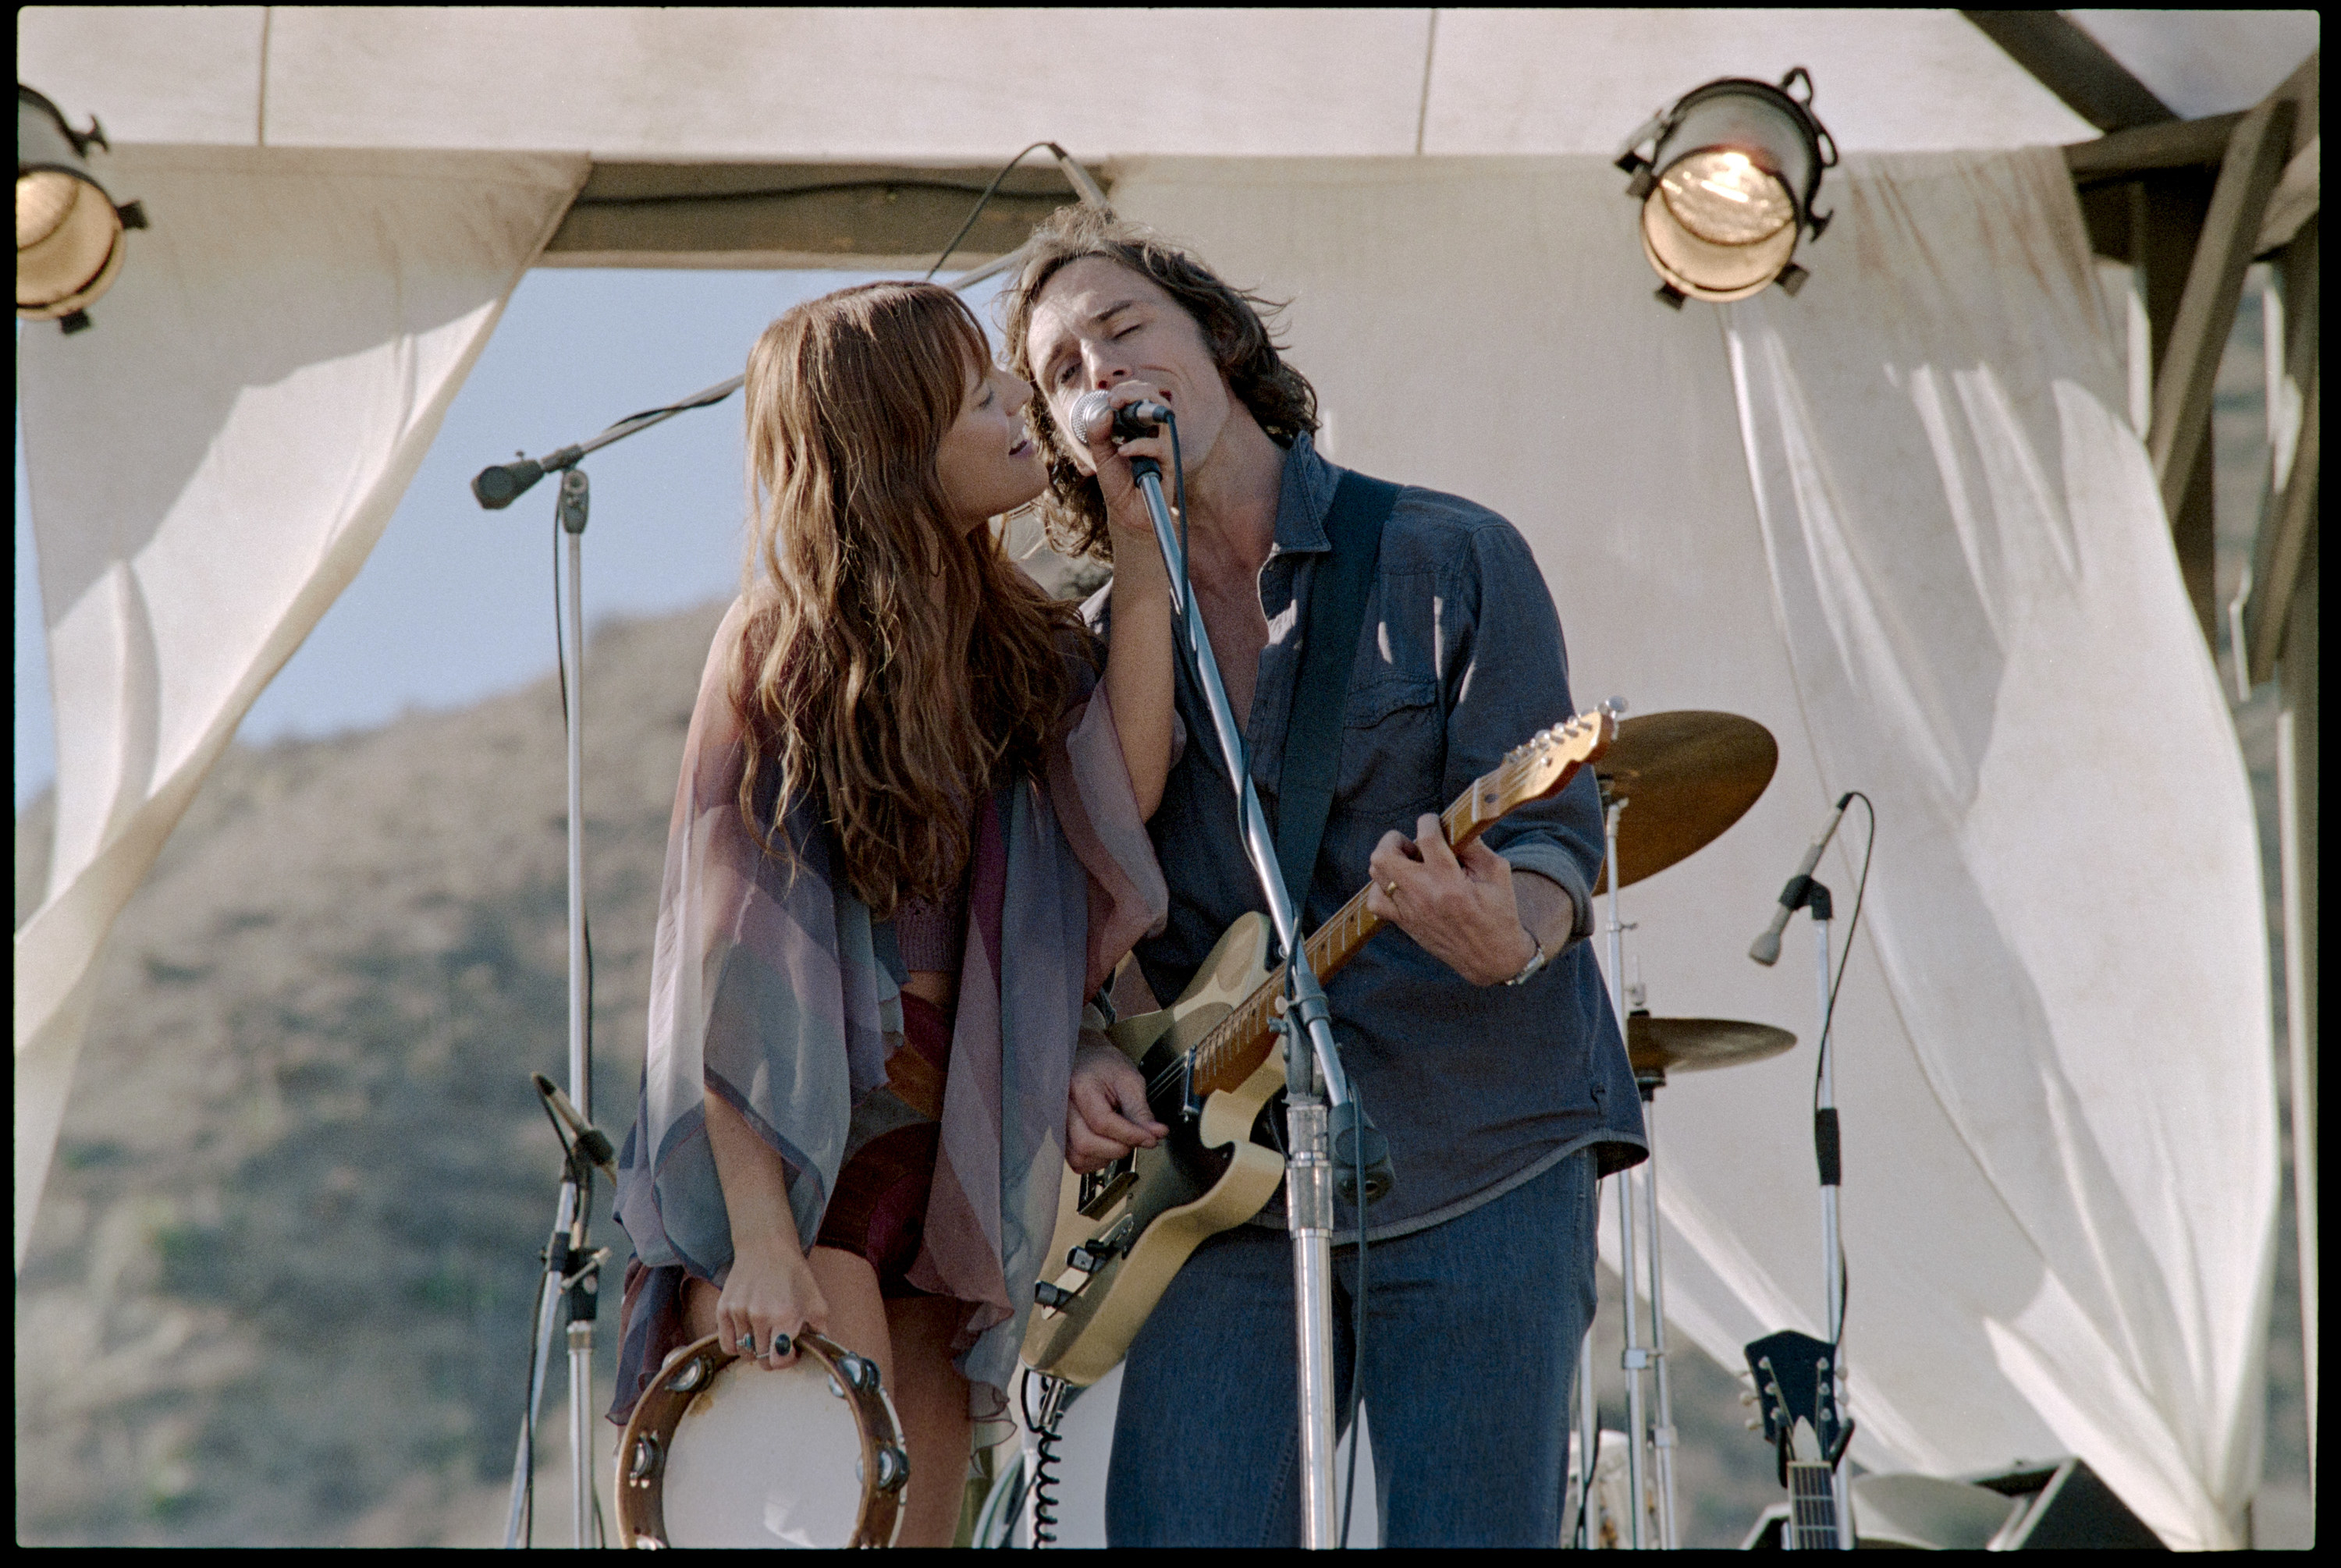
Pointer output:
x,y
1242,1041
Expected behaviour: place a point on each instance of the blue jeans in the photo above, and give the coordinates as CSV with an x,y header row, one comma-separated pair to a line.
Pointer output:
x,y
1473,1329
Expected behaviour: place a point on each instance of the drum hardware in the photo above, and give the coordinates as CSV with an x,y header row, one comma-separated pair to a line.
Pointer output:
x,y
1694,774
719,1454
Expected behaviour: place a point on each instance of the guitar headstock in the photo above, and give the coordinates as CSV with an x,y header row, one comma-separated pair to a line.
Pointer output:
x,y
1795,1388
1542,765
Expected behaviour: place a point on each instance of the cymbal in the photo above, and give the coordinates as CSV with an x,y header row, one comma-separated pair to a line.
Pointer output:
x,y
1663,1046
1687,775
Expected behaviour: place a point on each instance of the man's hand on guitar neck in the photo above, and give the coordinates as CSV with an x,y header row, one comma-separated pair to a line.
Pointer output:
x,y
1106,1114
1468,910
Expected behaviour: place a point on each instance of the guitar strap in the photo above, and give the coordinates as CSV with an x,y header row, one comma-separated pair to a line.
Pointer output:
x,y
1328,649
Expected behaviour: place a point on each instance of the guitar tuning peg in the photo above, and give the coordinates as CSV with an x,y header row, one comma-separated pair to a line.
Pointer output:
x,y
1752,1424
1746,1396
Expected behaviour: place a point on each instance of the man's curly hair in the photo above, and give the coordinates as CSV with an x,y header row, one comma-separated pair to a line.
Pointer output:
x,y
1279,396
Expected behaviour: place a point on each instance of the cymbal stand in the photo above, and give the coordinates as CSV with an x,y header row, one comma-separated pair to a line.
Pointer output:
x,y
1662,1431
1635,1359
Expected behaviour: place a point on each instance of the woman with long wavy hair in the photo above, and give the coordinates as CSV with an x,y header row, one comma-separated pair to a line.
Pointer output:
x,y
908,843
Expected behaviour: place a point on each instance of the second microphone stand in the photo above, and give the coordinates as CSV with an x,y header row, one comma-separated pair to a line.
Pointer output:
x,y
1314,1080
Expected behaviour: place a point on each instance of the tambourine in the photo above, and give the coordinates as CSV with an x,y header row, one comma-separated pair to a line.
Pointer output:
x,y
721,1451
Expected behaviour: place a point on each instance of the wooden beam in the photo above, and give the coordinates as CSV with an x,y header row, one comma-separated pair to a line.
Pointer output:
x,y
2175,145
750,214
2073,66
2179,438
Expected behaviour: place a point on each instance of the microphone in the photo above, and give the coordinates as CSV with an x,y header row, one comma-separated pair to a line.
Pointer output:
x,y
1091,411
497,487
592,1141
1766,949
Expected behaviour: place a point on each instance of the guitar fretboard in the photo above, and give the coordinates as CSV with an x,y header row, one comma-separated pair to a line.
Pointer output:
x,y
1812,1506
1237,1046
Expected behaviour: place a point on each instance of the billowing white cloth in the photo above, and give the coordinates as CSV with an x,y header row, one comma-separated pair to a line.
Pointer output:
x,y
1989,636
209,466
1956,594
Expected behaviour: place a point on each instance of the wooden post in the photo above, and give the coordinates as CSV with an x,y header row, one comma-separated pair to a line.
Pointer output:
x,y
2179,440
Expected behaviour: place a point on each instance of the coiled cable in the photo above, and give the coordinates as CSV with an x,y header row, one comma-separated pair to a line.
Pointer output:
x,y
1043,1428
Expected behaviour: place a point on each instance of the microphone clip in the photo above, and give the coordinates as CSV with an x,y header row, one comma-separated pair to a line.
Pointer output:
x,y
1802,893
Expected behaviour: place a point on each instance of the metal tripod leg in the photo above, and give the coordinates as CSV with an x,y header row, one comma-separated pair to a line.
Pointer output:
x,y
1662,1436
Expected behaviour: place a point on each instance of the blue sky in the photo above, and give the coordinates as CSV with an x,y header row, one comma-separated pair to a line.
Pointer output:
x,y
456,603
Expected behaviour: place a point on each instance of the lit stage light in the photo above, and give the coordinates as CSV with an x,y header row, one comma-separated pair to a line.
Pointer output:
x,y
69,244
1727,185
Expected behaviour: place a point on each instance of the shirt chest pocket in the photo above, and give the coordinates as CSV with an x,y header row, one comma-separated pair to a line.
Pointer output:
x,y
1393,749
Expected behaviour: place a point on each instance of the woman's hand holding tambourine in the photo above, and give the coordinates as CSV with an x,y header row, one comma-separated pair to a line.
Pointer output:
x,y
769,1298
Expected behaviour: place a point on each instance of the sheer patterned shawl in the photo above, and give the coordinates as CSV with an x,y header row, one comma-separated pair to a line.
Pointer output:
x,y
772,987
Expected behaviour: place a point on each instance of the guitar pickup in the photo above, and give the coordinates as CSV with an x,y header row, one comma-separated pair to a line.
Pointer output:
x,y
1101,1190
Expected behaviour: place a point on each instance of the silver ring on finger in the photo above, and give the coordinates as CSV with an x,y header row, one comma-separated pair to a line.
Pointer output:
x,y
747,1345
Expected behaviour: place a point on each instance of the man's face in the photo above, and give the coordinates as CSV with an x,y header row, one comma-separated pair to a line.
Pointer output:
x,y
1097,324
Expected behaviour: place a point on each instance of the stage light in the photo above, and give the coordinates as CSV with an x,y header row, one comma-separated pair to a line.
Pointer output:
x,y
69,242
1727,185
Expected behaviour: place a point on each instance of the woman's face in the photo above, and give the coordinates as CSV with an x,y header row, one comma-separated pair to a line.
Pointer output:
x,y
988,462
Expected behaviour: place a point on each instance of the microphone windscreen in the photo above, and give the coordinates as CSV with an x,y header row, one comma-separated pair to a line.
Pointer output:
x,y
1766,949
496,487
1091,409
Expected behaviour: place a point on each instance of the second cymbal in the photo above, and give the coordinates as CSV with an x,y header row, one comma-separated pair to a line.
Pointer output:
x,y
1687,775
1661,1046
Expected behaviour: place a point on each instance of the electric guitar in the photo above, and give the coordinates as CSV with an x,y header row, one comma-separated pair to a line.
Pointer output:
x,y
1795,1387
1212,1066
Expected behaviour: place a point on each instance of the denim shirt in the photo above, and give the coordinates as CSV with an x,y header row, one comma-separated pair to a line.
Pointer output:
x,y
1479,1088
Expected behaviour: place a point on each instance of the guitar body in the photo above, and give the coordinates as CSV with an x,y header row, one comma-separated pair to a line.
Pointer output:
x,y
1151,1212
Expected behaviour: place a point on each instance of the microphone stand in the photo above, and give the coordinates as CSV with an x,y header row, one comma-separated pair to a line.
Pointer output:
x,y
571,1267
1808,894
1314,1079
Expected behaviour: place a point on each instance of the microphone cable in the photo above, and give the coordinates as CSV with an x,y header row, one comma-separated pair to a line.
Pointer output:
x,y
1042,1487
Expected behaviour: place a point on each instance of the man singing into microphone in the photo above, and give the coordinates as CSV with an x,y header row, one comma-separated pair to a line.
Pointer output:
x,y
1477,1035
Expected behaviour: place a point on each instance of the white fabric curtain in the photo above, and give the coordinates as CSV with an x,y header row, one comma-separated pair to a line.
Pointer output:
x,y
1900,521
209,466
1990,637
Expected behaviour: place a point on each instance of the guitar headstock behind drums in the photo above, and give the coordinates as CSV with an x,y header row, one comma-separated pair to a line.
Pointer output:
x,y
1795,1388
1540,765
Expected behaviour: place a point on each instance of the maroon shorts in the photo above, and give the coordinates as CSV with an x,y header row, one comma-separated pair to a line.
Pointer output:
x,y
878,1210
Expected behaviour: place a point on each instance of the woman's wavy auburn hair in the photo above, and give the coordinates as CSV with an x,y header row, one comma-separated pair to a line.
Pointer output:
x,y
1280,397
889,708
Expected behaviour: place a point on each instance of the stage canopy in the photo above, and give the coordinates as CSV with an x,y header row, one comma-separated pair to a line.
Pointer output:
x,y
1902,520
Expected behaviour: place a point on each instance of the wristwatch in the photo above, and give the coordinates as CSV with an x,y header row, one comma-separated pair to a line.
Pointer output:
x,y
1536,961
